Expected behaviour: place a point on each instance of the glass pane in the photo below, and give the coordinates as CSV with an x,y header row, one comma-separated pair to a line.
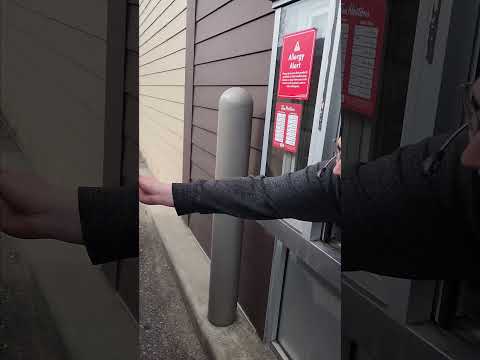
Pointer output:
x,y
297,17
309,325
467,316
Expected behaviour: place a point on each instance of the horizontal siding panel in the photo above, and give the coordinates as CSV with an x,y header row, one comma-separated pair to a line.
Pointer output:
x,y
174,27
208,120
199,174
164,161
205,140
256,263
244,70
166,107
143,4
208,97
161,14
205,143
237,41
132,27
204,160
163,123
174,61
147,7
160,155
231,15
89,16
205,118
160,23
176,43
171,93
205,7
57,38
131,73
174,77
201,226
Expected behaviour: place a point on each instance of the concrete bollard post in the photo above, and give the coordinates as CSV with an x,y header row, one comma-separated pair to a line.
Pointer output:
x,y
233,150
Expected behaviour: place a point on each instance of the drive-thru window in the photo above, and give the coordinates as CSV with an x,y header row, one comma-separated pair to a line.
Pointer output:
x,y
301,125
430,49
389,71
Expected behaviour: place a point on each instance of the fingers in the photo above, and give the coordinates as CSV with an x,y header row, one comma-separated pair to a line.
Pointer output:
x,y
147,184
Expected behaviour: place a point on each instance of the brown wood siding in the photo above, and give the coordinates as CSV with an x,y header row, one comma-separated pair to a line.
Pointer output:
x,y
232,43
248,70
230,46
236,13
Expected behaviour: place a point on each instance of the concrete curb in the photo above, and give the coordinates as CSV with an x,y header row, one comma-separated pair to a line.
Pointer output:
x,y
191,266
238,341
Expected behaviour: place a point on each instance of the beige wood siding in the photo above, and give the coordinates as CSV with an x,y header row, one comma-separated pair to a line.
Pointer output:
x,y
162,85
53,84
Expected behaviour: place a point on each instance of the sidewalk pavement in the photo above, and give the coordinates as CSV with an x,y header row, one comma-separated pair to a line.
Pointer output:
x,y
166,328
191,267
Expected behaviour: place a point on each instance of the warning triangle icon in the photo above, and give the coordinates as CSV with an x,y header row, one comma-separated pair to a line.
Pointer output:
x,y
297,47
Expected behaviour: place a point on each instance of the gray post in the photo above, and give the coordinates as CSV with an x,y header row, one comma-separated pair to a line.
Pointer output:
x,y
233,150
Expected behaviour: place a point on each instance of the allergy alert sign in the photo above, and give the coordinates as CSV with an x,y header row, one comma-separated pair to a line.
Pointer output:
x,y
287,126
296,64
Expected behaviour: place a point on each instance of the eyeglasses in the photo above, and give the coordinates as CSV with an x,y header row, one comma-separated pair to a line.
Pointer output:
x,y
471,108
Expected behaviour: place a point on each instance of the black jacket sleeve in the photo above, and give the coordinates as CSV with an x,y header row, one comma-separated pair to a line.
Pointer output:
x,y
109,221
399,222
310,194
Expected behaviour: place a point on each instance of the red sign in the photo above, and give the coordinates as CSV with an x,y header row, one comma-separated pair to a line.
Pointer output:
x,y
363,28
296,64
287,126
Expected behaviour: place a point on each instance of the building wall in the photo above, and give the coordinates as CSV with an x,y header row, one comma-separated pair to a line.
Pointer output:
x,y
56,58
162,80
128,269
229,44
53,84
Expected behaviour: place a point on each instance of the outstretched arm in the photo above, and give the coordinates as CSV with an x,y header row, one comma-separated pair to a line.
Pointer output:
x,y
104,220
302,195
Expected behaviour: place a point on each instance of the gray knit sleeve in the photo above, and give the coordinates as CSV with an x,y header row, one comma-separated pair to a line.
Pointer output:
x,y
308,194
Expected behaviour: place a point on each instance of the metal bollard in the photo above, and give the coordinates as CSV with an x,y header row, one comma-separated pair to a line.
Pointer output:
x,y
233,150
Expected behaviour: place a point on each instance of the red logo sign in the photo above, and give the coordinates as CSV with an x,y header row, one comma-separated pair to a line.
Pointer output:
x,y
296,64
363,27
287,126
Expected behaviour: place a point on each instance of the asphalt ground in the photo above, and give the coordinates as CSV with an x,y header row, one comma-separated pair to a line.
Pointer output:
x,y
166,328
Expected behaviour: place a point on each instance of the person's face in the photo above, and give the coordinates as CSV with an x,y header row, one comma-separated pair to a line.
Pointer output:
x,y
471,154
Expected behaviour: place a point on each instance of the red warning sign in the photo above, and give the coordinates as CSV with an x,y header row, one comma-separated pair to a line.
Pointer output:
x,y
363,27
287,126
296,64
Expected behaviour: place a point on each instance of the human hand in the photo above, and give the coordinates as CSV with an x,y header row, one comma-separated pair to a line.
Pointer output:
x,y
153,192
30,208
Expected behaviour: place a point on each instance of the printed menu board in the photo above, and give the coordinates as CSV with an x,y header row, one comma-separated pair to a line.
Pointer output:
x,y
363,28
287,126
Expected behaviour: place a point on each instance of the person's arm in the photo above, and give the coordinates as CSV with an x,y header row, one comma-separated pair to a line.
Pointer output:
x,y
105,220
302,195
109,221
